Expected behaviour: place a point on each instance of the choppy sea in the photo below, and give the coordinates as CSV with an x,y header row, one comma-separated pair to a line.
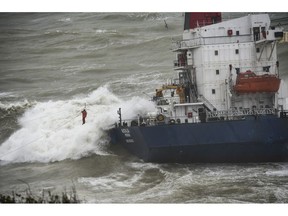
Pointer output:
x,y
52,65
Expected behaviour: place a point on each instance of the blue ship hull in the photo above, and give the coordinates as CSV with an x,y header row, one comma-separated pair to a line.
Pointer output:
x,y
255,139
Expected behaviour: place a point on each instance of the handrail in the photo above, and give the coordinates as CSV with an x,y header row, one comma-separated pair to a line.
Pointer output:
x,y
196,42
221,114
207,102
244,112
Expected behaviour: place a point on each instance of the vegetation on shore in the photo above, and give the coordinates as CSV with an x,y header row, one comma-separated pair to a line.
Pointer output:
x,y
46,196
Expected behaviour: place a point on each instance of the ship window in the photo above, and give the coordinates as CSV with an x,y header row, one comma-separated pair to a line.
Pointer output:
x,y
216,52
237,33
256,33
266,69
237,51
257,49
213,91
217,72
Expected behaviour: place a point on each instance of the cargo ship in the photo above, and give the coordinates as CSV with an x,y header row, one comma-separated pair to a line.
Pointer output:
x,y
227,102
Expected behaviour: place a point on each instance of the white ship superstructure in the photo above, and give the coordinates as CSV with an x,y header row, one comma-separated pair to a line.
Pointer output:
x,y
215,54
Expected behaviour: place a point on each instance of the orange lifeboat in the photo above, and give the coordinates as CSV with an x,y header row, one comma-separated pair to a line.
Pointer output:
x,y
249,82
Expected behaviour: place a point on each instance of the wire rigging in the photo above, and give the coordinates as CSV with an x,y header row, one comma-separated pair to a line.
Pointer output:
x,y
39,138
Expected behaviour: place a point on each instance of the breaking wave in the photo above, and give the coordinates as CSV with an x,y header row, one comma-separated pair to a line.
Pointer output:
x,y
53,131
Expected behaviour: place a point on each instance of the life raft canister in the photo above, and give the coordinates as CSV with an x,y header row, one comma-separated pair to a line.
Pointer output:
x,y
160,117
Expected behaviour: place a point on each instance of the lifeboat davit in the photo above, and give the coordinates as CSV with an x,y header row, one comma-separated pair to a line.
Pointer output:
x,y
249,82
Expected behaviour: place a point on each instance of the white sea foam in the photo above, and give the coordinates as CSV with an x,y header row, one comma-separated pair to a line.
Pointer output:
x,y
277,173
103,31
6,94
111,182
53,130
68,19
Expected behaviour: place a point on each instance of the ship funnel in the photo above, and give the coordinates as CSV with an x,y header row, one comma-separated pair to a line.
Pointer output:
x,y
199,19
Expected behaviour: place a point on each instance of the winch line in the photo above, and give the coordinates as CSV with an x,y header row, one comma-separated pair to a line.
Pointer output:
x,y
41,117
33,119
16,149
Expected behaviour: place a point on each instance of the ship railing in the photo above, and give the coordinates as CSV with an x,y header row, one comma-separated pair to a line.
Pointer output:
x,y
196,42
243,112
184,44
146,121
232,114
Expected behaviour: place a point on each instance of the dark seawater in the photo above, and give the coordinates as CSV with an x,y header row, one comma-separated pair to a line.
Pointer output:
x,y
52,65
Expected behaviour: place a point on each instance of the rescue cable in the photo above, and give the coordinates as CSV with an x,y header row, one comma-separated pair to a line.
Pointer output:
x,y
66,122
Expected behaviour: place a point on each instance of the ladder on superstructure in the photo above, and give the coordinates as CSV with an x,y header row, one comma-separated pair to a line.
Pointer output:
x,y
191,75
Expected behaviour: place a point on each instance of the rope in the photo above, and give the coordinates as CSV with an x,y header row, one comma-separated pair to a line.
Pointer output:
x,y
45,116
62,125
41,117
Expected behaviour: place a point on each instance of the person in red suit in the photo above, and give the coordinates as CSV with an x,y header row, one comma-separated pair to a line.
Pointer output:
x,y
84,114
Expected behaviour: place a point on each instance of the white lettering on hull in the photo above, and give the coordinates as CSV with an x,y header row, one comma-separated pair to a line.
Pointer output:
x,y
127,134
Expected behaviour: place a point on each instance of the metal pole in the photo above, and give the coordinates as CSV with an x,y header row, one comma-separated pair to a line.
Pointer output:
x,y
120,117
